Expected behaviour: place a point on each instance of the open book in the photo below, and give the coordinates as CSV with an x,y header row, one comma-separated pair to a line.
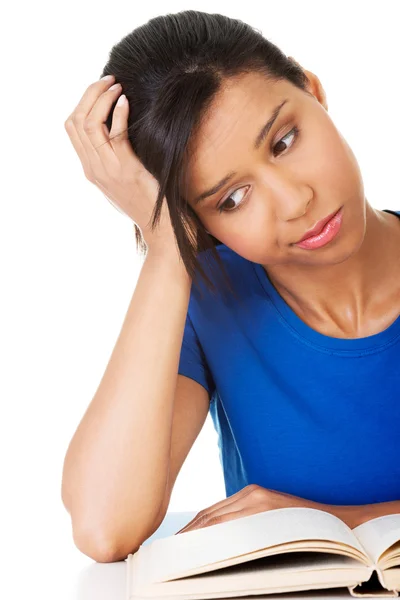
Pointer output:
x,y
276,551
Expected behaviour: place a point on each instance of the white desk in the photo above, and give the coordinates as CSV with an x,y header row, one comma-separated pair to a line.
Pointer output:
x,y
106,581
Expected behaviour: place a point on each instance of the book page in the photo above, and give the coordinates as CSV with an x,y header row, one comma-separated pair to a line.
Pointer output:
x,y
377,535
175,555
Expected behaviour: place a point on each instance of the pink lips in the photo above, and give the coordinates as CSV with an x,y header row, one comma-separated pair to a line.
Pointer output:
x,y
318,227
328,231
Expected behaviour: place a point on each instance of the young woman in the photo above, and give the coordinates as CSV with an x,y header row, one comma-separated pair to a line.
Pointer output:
x,y
296,354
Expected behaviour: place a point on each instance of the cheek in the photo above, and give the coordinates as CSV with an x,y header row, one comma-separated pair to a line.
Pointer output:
x,y
253,239
327,164
332,164
336,179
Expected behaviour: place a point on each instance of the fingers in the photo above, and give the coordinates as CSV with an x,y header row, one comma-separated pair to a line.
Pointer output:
x,y
79,148
119,130
94,126
116,142
90,115
221,515
75,130
219,507
86,128
227,501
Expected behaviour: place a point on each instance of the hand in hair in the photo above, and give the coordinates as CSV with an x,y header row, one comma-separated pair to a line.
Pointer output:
x,y
110,162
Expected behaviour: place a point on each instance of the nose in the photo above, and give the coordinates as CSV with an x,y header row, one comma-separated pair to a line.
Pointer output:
x,y
291,197
295,204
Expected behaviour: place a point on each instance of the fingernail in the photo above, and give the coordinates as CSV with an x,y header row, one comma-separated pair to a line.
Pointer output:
x,y
107,78
121,100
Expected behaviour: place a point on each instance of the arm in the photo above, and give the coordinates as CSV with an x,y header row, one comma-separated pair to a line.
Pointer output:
x,y
355,515
254,498
116,469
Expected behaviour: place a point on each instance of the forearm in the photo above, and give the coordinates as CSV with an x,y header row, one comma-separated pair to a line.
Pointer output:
x,y
355,515
116,468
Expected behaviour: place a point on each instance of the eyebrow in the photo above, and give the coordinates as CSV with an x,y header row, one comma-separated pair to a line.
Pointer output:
x,y
257,143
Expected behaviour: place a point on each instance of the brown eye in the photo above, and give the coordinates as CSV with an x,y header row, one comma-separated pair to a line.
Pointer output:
x,y
282,145
223,207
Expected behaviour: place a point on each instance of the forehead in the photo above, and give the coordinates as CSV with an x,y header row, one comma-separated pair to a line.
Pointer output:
x,y
228,129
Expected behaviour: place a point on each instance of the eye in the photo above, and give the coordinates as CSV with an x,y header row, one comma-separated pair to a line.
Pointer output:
x,y
292,133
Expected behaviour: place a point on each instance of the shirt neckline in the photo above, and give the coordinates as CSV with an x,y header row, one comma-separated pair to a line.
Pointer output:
x,y
310,336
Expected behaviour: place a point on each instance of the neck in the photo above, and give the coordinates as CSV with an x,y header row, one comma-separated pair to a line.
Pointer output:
x,y
344,296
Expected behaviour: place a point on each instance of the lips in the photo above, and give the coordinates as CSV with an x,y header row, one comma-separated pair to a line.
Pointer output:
x,y
318,227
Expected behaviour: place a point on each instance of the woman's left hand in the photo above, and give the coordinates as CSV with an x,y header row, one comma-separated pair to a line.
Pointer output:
x,y
248,501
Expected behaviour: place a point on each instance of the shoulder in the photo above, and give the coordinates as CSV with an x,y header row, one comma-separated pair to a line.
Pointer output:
x,y
234,296
235,265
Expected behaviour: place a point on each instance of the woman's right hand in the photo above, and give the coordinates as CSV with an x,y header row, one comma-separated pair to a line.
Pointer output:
x,y
112,165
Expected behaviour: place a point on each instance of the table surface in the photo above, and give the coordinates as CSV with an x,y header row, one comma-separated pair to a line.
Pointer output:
x,y
107,581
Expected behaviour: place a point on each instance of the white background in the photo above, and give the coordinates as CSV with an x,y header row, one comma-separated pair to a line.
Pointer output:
x,y
68,258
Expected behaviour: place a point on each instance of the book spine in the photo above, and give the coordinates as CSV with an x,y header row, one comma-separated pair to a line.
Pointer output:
x,y
372,587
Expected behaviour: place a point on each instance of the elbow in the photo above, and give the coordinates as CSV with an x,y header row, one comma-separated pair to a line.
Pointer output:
x,y
101,548
113,544
96,547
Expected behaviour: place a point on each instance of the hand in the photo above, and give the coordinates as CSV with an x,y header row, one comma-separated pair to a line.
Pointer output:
x,y
111,164
248,501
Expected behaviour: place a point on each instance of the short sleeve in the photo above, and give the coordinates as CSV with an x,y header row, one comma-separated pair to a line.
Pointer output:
x,y
192,362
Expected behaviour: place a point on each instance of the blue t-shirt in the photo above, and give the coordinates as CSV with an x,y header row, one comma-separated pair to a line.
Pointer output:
x,y
295,410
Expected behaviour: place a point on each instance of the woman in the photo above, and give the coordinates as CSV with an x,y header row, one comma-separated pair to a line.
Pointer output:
x,y
297,356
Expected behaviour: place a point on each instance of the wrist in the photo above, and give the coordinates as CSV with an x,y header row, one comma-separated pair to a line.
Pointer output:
x,y
352,515
167,258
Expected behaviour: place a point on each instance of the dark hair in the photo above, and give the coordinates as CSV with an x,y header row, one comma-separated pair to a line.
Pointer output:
x,y
171,69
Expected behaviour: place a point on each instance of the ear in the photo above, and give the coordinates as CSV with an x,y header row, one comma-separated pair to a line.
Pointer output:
x,y
314,84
